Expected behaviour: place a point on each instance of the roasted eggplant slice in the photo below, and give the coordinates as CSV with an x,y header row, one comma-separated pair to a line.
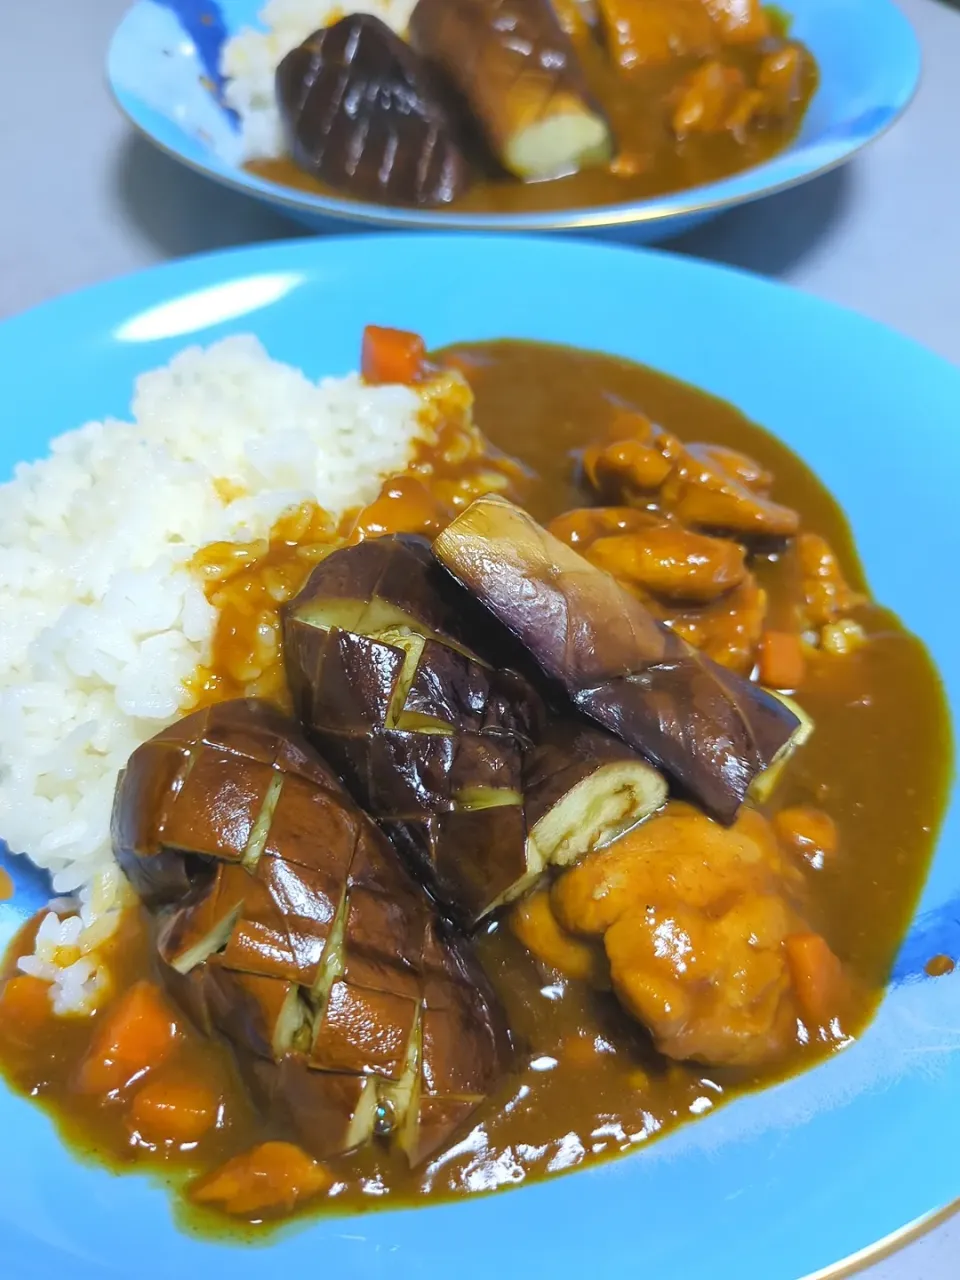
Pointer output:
x,y
362,114
429,738
519,73
710,730
583,788
286,921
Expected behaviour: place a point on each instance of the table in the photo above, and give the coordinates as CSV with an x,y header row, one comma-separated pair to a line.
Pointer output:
x,y
82,198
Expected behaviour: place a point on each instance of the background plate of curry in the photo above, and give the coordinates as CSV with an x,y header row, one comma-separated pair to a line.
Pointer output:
x,y
642,115
535,840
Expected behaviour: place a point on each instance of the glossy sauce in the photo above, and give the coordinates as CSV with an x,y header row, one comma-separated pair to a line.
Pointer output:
x,y
652,162
588,1084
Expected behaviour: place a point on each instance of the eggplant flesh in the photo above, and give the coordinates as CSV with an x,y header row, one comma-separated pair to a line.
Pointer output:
x,y
429,738
584,788
363,115
711,731
292,928
518,71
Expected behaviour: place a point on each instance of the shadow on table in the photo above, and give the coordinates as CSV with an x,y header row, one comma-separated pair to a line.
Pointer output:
x,y
182,213
772,236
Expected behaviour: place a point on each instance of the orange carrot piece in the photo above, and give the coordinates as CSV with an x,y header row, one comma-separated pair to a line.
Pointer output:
x,y
275,1175
24,1003
139,1032
817,975
177,1111
782,664
391,355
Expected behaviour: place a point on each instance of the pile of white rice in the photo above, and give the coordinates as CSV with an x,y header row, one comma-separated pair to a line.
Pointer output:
x,y
250,59
101,621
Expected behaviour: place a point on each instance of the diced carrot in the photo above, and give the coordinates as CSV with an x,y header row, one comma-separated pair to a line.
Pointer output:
x,y
782,664
818,978
275,1175
391,355
178,1111
807,831
138,1033
24,1003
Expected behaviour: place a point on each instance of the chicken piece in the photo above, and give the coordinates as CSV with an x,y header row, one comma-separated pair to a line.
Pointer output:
x,y
578,18
739,21
827,595
625,468
711,990
780,80
534,923
695,920
670,561
729,630
715,98
741,466
584,525
643,33
707,492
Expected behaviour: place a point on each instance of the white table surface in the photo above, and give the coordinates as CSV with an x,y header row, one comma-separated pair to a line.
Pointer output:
x,y
82,199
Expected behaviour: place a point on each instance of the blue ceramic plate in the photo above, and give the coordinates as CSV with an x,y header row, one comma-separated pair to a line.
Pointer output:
x,y
775,1186
164,70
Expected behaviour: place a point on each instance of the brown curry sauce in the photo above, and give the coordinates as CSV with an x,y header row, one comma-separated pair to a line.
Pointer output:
x,y
589,1084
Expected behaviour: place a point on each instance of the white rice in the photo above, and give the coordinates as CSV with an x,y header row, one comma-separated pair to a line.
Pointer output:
x,y
250,59
101,621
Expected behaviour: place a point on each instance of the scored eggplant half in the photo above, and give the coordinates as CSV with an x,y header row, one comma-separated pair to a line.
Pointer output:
x,y
713,732
286,922
519,73
429,738
363,114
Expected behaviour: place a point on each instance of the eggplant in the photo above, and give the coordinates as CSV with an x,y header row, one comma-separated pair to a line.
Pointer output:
x,y
711,731
363,115
428,737
519,73
583,788
286,922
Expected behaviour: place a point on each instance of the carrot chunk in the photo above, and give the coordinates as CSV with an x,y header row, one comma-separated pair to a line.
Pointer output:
x,y
391,355
817,975
781,659
24,1004
275,1175
138,1033
177,1111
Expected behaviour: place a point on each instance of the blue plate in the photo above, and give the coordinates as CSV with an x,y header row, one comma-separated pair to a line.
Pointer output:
x,y
774,1186
164,70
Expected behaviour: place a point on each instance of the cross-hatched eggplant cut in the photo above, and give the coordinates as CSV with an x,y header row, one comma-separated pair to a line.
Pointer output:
x,y
287,923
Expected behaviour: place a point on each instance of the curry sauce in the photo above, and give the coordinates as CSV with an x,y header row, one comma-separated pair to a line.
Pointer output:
x,y
588,1083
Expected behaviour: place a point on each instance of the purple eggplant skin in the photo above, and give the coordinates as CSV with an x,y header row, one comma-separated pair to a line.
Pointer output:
x,y
427,737
711,731
364,115
304,942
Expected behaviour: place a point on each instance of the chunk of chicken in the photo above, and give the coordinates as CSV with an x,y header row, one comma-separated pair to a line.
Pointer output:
x,y
828,596
715,98
739,21
696,921
728,630
643,33
670,561
780,79
705,489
